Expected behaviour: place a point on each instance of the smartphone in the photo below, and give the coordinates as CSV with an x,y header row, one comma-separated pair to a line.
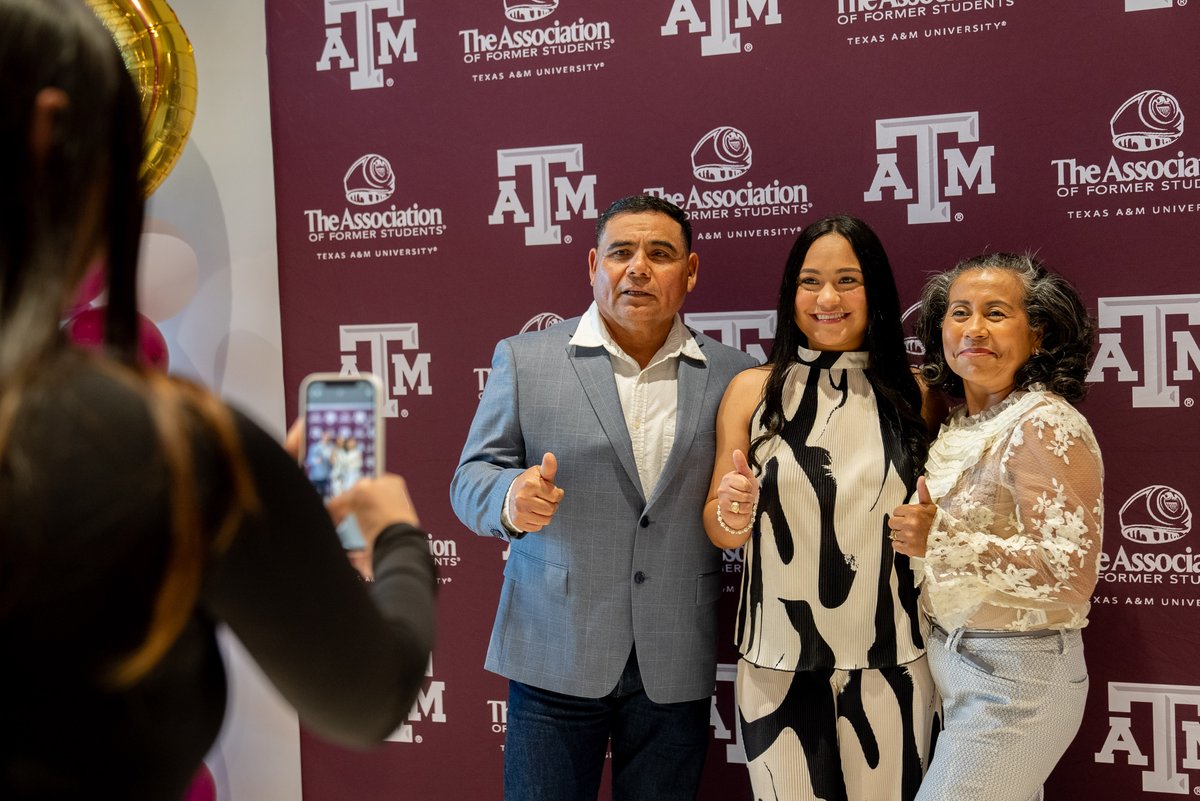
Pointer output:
x,y
343,437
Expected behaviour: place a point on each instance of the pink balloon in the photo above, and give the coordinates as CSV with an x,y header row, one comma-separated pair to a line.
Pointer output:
x,y
152,345
86,328
203,787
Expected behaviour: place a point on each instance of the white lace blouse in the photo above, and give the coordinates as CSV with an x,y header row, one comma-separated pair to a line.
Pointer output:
x,y
1016,540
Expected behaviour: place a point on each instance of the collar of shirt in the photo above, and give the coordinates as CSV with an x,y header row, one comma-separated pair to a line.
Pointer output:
x,y
593,333
649,398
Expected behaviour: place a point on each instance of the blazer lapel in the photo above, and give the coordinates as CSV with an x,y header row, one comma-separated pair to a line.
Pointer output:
x,y
595,373
692,385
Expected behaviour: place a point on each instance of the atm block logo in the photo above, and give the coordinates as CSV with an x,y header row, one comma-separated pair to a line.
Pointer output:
x,y
723,715
380,35
1147,724
540,187
1150,5
724,19
394,356
1169,355
924,151
430,707
749,331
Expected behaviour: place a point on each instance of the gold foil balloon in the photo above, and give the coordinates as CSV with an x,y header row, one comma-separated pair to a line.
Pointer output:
x,y
158,55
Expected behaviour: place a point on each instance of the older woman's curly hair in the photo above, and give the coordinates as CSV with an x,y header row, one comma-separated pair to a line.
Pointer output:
x,y
1054,309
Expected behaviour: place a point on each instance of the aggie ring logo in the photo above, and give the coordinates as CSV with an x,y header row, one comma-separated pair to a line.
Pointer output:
x,y
369,180
529,10
722,155
1149,120
368,183
1153,517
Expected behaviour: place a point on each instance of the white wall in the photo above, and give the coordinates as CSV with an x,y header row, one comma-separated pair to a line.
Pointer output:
x,y
220,200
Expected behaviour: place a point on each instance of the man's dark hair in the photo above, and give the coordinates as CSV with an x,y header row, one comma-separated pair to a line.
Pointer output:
x,y
639,204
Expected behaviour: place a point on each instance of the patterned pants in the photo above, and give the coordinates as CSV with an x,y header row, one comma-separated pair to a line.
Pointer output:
x,y
1012,706
836,735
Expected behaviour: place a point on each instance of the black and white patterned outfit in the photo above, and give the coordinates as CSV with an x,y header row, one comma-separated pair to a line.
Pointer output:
x,y
835,698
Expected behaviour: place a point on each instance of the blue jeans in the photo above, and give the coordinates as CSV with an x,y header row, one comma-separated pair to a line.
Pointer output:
x,y
555,746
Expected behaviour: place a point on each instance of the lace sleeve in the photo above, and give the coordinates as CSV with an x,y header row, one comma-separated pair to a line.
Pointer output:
x,y
1016,542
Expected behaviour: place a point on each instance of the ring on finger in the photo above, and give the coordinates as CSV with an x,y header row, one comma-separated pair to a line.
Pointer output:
x,y
735,507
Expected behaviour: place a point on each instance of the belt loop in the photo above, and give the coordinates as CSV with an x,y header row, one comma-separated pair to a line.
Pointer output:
x,y
953,639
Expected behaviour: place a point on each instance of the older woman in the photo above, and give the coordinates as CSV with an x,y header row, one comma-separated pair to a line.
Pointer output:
x,y
1008,520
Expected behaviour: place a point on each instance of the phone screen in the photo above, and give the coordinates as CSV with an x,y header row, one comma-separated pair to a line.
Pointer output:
x,y
342,438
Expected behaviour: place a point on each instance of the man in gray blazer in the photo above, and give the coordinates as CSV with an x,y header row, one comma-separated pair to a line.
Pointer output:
x,y
591,452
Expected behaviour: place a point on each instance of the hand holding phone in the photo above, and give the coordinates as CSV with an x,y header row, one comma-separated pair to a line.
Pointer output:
x,y
343,437
377,503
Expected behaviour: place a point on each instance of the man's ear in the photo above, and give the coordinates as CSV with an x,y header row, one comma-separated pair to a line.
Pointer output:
x,y
48,104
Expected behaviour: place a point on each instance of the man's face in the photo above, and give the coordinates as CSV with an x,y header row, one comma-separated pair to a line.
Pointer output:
x,y
641,271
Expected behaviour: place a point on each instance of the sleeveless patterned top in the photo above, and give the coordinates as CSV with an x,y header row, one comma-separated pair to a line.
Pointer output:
x,y
821,586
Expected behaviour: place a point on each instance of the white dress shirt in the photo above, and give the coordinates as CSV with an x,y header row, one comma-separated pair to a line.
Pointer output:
x,y
649,397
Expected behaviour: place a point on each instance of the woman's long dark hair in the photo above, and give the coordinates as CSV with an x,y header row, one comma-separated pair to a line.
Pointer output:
x,y
75,196
49,205
896,390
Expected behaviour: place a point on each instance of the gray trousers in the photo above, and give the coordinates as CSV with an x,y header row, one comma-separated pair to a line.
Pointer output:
x,y
1012,703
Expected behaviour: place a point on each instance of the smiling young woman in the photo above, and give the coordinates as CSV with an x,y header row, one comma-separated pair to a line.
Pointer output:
x,y
813,450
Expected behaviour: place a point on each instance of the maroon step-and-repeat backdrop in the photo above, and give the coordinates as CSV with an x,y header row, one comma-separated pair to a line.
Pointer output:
x,y
439,167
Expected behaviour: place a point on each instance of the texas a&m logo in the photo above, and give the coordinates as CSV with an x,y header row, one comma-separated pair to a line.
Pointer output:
x,y
394,357
379,39
719,38
430,707
1168,356
930,135
745,330
1170,711
552,198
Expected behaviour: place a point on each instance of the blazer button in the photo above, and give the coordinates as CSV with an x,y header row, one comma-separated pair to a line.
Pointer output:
x,y
639,577
644,522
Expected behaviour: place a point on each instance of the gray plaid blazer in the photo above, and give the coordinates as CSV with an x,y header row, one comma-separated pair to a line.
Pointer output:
x,y
613,569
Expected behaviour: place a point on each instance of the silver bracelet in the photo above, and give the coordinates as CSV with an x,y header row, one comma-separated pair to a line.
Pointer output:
x,y
741,531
